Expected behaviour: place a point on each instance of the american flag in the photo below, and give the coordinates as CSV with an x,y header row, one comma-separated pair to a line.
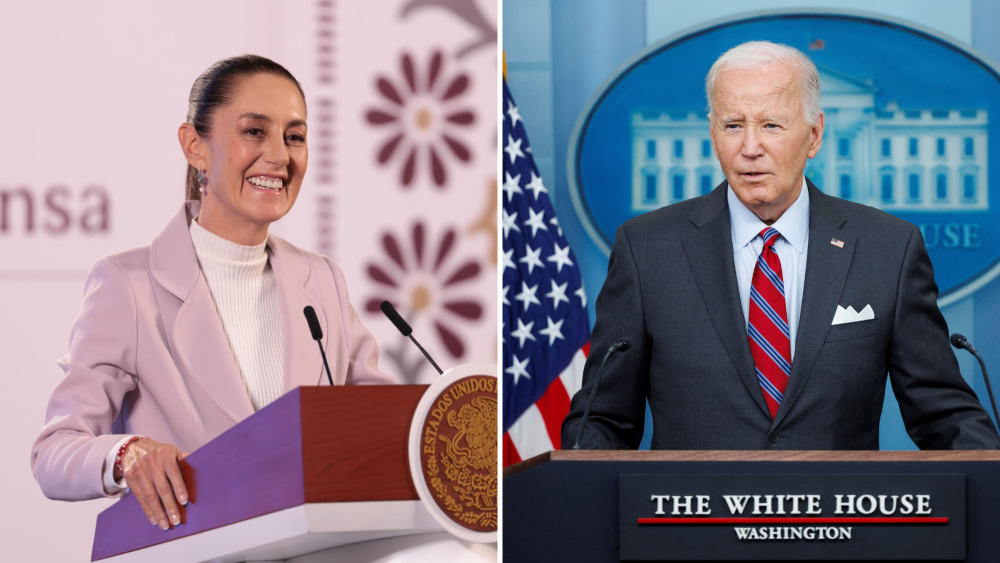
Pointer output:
x,y
546,334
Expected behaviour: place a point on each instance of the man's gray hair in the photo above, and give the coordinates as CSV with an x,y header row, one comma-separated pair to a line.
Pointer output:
x,y
756,54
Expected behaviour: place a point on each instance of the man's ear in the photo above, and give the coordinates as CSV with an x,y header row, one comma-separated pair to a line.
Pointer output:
x,y
193,146
711,137
816,136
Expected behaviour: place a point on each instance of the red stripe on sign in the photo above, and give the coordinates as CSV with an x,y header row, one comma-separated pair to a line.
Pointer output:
x,y
554,406
510,455
901,520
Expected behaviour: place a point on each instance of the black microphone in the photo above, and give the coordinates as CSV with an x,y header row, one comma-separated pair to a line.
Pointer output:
x,y
619,346
959,341
405,330
317,334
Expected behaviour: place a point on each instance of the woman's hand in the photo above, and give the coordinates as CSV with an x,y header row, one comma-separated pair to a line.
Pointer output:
x,y
151,471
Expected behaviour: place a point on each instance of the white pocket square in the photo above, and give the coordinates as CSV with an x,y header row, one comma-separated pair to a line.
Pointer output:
x,y
849,315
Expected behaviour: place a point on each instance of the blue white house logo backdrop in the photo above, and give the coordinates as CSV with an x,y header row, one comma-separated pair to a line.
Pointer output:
x,y
909,120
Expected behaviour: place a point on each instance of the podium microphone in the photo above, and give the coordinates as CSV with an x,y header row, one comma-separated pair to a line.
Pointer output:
x,y
619,346
405,330
959,341
317,334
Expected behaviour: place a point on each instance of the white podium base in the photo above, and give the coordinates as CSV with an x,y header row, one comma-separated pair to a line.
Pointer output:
x,y
302,530
425,548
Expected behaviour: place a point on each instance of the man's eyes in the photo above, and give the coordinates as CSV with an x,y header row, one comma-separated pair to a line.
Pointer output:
x,y
738,126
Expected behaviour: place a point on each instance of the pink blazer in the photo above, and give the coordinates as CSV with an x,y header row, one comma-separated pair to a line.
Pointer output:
x,y
149,346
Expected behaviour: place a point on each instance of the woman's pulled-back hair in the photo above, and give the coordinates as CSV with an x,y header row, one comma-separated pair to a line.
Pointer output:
x,y
215,89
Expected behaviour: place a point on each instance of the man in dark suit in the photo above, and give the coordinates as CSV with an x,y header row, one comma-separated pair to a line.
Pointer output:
x,y
766,314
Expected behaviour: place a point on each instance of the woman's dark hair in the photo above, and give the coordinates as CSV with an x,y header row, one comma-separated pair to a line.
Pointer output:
x,y
215,89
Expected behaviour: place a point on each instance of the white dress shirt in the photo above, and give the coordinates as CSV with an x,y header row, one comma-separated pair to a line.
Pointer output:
x,y
792,248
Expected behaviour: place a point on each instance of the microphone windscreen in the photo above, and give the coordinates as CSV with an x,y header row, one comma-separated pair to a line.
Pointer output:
x,y
310,313
622,345
390,312
958,341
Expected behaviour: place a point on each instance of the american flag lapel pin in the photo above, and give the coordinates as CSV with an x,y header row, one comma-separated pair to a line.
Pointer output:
x,y
837,243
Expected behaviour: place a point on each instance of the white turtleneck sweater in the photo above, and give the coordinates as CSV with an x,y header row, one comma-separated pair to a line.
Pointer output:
x,y
246,297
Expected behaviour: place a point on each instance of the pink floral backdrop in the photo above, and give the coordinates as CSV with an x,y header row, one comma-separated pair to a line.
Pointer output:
x,y
401,191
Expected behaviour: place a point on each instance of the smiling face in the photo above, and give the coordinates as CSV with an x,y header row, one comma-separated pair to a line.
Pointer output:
x,y
255,158
761,136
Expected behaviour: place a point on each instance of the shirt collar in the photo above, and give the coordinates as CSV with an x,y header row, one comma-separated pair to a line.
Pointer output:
x,y
793,223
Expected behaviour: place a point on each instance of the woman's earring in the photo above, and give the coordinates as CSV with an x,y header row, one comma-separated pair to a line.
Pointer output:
x,y
203,180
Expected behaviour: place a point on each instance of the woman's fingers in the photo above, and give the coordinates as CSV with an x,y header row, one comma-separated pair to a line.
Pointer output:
x,y
166,493
177,479
140,495
148,490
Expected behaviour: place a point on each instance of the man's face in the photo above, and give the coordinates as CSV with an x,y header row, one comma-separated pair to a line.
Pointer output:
x,y
761,136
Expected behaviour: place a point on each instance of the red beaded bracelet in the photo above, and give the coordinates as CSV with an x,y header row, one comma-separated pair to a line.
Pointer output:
x,y
121,452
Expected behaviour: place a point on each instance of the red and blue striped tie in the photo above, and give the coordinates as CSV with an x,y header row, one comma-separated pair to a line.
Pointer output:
x,y
768,329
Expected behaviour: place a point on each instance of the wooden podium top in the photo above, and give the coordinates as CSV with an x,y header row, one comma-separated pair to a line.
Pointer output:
x,y
751,455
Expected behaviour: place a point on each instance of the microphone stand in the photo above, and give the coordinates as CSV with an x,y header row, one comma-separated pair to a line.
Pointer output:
x,y
426,355
986,378
623,345
959,341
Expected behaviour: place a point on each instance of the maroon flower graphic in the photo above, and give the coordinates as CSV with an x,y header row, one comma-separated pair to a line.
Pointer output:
x,y
467,11
420,284
422,119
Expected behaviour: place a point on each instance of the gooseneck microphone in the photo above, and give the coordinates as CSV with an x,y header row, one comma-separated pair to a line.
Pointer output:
x,y
405,330
317,334
959,341
619,346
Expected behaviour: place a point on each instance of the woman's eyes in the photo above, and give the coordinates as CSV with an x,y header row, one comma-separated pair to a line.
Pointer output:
x,y
258,132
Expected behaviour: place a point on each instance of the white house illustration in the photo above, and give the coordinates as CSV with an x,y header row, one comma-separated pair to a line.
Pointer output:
x,y
895,159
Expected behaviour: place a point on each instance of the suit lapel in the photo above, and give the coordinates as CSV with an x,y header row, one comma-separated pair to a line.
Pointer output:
x,y
203,347
194,328
826,273
710,253
303,364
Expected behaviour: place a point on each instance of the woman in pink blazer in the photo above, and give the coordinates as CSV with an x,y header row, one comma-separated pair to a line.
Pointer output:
x,y
180,340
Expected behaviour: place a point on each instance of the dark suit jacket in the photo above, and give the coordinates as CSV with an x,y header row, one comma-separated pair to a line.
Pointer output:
x,y
671,291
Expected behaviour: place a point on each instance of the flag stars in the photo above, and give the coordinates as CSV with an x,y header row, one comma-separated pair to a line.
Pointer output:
x,y
509,223
553,330
536,221
523,332
527,296
532,258
557,294
508,259
582,294
513,148
513,113
517,370
555,221
506,288
535,185
560,256
512,186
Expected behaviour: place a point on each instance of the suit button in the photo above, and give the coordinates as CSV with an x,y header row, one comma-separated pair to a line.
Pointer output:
x,y
773,437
